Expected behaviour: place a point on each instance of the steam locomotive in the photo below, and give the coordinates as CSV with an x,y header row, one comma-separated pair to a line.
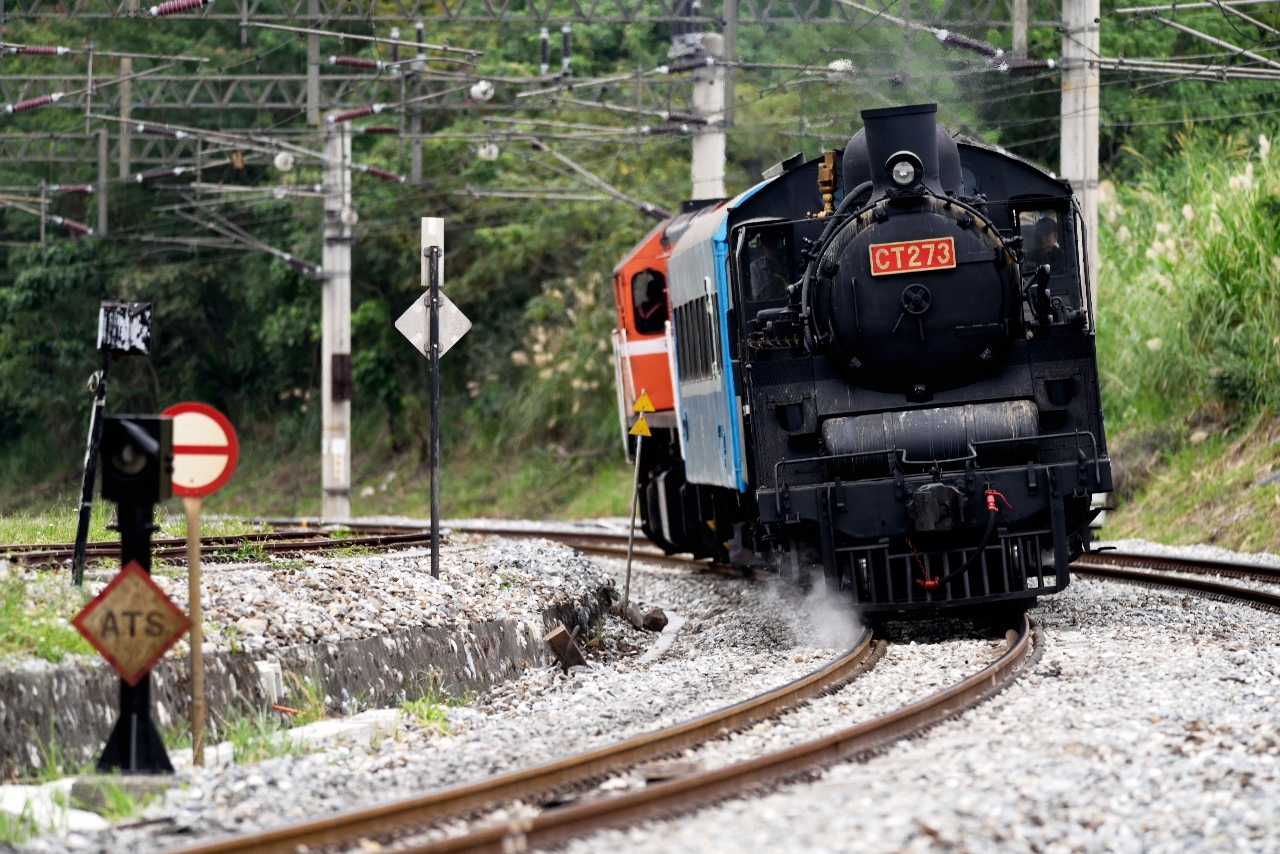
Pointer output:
x,y
874,370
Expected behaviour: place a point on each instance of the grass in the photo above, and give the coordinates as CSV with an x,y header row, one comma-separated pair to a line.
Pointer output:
x,y
57,524
35,613
429,709
18,829
1213,491
1188,283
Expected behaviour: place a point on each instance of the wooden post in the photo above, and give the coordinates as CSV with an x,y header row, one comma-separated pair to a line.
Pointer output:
x,y
191,505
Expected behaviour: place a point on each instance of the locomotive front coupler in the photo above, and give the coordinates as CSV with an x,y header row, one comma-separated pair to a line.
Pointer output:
x,y
867,509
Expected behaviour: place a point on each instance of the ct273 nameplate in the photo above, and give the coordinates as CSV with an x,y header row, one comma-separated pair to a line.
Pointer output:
x,y
912,256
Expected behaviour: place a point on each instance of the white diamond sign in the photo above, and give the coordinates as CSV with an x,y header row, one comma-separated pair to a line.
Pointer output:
x,y
415,324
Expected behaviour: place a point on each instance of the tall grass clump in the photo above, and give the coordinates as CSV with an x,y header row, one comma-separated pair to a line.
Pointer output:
x,y
1189,285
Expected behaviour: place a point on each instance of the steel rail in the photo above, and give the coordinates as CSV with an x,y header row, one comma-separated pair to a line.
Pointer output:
x,y
421,810
1153,570
684,794
1168,563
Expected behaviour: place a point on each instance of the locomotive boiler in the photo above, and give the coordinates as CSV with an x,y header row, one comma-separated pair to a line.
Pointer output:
x,y
877,370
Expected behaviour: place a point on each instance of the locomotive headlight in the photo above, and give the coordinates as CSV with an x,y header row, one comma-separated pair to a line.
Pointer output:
x,y
904,169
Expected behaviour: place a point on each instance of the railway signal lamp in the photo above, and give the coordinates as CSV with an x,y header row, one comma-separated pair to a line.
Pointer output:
x,y
137,458
137,465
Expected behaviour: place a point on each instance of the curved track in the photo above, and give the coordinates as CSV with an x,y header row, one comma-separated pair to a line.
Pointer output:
x,y
684,794
421,810
1155,571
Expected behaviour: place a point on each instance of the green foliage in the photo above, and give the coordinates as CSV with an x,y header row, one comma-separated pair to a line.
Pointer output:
x,y
35,610
1189,283
254,736
241,331
18,829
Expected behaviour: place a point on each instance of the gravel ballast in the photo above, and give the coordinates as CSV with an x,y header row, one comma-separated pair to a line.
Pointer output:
x,y
731,639
1147,726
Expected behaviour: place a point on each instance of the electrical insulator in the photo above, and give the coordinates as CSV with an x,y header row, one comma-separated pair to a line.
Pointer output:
x,y
283,161
383,174
376,130
545,51
419,32
40,49
488,152
72,189
173,7
71,225
349,217
153,130
356,62
143,177
395,48
358,113
481,90
313,270
564,49
33,103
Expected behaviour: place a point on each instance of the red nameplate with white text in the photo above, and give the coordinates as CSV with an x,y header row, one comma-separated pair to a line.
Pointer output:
x,y
911,256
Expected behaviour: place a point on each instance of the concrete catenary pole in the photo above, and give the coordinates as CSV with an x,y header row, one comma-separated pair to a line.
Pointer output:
x,y
708,144
335,347
1019,15
1080,115
103,166
313,64
126,109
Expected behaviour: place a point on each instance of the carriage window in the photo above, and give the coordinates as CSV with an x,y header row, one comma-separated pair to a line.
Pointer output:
x,y
649,295
1042,241
767,265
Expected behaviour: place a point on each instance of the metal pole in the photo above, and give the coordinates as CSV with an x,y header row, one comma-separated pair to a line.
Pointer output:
x,y
433,261
126,110
98,383
415,111
135,745
335,347
631,531
313,65
103,166
44,214
191,506
1080,114
708,145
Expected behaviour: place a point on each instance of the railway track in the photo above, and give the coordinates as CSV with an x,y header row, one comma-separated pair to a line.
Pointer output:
x,y
550,779
303,540
1156,571
559,822
564,818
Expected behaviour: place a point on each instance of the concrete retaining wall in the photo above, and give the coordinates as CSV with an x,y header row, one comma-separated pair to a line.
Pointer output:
x,y
76,704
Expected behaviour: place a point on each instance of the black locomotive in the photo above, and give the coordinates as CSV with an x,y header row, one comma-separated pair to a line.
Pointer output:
x,y
894,384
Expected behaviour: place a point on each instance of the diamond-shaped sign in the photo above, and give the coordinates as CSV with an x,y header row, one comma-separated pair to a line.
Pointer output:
x,y
132,623
415,324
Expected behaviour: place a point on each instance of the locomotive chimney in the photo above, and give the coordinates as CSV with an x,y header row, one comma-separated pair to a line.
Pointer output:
x,y
902,148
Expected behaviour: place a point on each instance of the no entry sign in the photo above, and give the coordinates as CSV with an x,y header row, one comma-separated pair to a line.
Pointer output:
x,y
132,623
205,449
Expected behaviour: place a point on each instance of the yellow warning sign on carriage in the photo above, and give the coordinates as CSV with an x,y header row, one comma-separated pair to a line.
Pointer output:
x,y
643,404
641,427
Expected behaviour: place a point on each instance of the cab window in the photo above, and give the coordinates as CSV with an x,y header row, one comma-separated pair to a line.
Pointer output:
x,y
649,297
1042,242
766,264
